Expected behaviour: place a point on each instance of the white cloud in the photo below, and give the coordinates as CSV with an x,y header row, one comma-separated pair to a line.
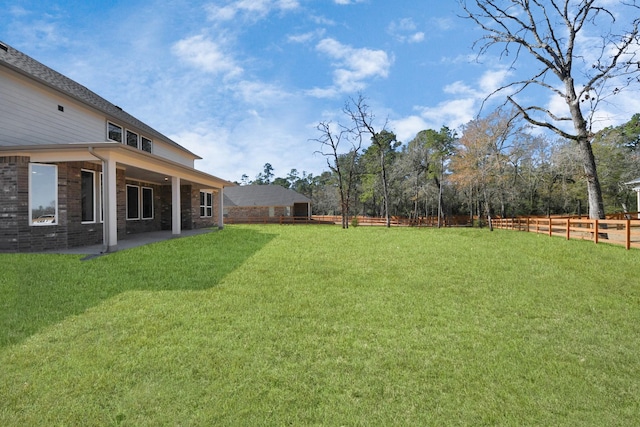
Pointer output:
x,y
453,113
352,66
305,37
254,92
408,127
406,31
253,10
206,55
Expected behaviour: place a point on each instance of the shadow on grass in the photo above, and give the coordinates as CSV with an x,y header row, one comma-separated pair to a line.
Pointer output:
x,y
39,290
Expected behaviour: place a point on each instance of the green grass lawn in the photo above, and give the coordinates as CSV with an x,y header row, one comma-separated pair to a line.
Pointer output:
x,y
302,325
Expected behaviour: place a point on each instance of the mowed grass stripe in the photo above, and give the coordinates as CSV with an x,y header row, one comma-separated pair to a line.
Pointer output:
x,y
273,325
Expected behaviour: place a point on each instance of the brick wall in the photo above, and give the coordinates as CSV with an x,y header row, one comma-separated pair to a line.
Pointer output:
x,y
17,235
12,211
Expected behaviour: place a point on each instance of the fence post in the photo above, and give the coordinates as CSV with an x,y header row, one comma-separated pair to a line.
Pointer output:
x,y
628,234
568,228
550,228
595,234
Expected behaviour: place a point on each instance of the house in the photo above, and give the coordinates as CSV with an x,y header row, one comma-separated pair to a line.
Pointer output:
x,y
243,203
77,170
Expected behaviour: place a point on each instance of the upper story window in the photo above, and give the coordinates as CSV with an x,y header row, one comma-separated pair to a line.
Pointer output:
x,y
145,144
114,132
132,139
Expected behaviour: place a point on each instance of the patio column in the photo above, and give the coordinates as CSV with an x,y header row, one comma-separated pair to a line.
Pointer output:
x,y
176,222
221,208
110,205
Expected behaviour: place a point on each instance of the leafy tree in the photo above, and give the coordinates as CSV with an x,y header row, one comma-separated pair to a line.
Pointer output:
x,y
618,154
265,177
581,69
482,162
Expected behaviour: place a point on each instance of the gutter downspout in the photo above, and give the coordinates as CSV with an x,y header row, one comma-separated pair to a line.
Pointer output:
x,y
104,204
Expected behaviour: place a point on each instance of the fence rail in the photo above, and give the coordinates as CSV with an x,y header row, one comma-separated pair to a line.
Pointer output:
x,y
395,221
271,220
624,232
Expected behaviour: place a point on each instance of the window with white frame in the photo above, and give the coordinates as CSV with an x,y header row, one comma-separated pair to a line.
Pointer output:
x,y
88,195
147,203
114,132
133,202
43,194
132,139
139,202
206,204
145,144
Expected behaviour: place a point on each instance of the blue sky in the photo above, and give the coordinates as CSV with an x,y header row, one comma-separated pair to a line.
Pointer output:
x,y
245,82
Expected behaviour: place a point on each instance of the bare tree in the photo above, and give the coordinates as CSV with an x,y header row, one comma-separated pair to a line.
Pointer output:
x,y
341,164
383,141
590,50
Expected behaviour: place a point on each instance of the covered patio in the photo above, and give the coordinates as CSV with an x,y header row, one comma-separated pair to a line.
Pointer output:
x,y
175,191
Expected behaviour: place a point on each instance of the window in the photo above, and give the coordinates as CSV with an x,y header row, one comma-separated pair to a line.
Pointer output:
x,y
133,202
139,204
132,139
114,132
87,194
206,204
145,144
43,194
147,203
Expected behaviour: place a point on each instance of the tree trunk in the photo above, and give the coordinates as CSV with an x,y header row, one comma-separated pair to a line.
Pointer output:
x,y
594,191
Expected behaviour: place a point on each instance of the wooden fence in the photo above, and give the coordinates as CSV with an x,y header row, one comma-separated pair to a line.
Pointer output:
x,y
396,221
431,221
624,232
271,220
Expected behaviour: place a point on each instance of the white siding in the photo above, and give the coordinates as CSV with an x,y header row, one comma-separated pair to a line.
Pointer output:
x,y
29,116
170,152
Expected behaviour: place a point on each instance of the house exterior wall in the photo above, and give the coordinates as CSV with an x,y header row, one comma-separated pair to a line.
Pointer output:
x,y
244,213
17,235
30,115
194,213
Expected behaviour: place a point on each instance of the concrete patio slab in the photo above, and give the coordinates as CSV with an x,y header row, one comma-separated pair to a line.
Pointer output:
x,y
131,241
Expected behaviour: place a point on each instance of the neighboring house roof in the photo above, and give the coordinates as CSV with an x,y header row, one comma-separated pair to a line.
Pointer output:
x,y
33,69
262,195
634,182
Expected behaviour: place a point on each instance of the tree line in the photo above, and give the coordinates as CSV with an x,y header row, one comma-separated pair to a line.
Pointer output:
x,y
525,157
495,166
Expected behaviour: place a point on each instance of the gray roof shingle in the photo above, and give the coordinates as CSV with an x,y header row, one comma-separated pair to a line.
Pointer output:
x,y
23,64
